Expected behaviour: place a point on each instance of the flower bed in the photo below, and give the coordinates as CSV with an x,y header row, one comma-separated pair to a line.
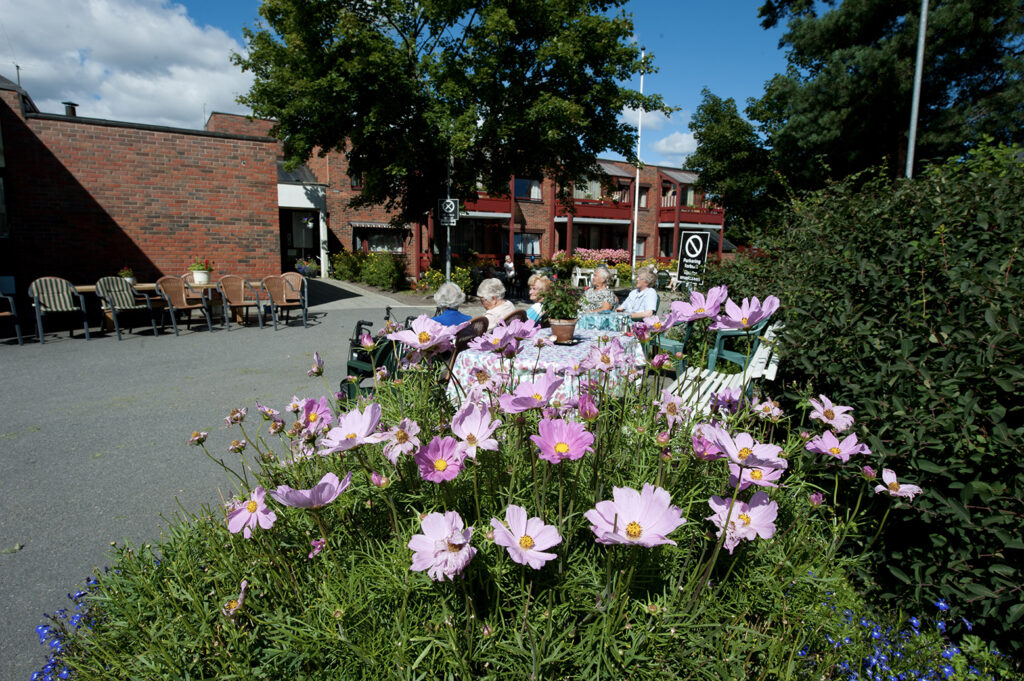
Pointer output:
x,y
506,537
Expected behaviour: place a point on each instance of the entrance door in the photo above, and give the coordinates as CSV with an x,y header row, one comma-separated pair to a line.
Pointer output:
x,y
300,231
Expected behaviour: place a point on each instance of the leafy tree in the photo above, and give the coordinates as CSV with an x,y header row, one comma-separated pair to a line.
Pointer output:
x,y
734,166
499,87
844,105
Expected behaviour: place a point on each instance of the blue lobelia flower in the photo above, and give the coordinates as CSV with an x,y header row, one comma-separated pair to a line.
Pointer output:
x,y
942,604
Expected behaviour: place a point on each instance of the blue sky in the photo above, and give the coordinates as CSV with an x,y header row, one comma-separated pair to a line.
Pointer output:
x,y
168,63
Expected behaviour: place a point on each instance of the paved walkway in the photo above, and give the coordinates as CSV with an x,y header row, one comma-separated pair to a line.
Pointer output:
x,y
93,442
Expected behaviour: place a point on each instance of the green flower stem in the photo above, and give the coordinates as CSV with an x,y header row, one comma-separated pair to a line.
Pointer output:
x,y
706,573
220,462
878,532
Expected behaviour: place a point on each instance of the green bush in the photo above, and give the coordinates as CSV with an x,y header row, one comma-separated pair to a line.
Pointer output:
x,y
347,265
905,297
384,270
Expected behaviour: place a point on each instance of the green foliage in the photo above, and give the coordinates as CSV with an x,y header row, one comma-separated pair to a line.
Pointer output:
x,y
403,88
347,265
905,298
434,279
383,270
561,300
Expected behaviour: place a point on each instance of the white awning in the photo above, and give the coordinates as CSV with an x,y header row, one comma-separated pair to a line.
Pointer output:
x,y
594,221
681,176
689,225
484,214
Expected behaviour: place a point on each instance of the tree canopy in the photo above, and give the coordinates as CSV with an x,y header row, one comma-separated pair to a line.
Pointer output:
x,y
844,103
499,87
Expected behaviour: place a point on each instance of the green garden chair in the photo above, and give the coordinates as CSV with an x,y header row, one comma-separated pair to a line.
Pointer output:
x,y
7,293
118,295
55,295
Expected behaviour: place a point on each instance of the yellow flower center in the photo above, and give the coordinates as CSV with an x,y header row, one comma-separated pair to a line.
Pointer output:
x,y
351,436
744,453
766,408
745,518
743,321
526,542
756,474
894,486
495,341
700,310
562,448
835,451
538,397
657,326
440,465
671,408
232,604
633,530
236,443
423,337
313,416
829,414
454,548
471,440
251,506
195,434
482,376
401,437
606,359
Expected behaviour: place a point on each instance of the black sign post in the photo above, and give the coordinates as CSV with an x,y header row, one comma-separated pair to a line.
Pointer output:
x,y
448,214
693,254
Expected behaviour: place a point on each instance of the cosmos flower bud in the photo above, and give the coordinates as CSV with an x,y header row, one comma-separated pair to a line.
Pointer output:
x,y
816,499
868,472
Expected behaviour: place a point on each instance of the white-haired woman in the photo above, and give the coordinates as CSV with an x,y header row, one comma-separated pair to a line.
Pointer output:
x,y
599,298
643,300
492,296
448,297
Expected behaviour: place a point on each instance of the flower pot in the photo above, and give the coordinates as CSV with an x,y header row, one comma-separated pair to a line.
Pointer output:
x,y
130,280
563,329
201,276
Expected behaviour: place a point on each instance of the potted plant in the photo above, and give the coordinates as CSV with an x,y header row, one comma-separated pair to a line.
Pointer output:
x,y
201,268
307,267
127,274
562,307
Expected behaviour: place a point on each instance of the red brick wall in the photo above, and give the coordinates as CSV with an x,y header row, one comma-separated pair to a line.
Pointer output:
x,y
86,198
233,124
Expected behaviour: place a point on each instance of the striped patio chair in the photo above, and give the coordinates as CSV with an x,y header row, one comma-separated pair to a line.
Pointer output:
x,y
7,293
276,289
237,292
173,291
118,295
53,294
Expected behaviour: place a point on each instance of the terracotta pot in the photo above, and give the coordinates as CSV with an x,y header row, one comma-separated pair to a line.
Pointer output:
x,y
563,329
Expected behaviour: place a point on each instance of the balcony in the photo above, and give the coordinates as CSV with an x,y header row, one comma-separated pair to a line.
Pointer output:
x,y
706,215
485,203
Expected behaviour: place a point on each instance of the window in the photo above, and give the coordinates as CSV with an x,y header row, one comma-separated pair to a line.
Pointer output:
x,y
378,239
305,230
527,244
641,247
355,181
665,243
644,191
588,190
528,189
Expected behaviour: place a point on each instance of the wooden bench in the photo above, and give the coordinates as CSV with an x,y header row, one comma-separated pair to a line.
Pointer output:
x,y
698,384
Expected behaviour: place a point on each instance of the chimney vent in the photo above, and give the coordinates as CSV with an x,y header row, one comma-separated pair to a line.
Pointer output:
x,y
69,108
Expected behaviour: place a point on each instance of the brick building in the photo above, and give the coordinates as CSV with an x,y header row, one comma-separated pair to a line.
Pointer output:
x,y
82,197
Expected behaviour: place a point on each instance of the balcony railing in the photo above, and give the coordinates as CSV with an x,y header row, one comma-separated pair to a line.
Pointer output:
x,y
704,215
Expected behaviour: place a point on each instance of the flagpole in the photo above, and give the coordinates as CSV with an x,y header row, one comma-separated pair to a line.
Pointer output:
x,y
916,102
636,187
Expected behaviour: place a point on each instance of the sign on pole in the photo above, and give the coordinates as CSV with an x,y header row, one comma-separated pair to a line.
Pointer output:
x,y
693,254
448,210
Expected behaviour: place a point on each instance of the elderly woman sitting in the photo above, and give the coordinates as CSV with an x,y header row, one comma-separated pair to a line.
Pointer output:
x,y
599,298
643,300
492,296
448,298
539,285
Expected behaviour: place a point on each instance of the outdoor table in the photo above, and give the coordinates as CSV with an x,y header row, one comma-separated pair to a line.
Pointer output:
x,y
532,362
604,321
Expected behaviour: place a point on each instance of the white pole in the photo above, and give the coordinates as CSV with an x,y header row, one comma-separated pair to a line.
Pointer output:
x,y
636,192
912,139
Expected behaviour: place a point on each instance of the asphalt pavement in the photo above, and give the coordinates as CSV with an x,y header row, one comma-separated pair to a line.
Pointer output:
x,y
93,444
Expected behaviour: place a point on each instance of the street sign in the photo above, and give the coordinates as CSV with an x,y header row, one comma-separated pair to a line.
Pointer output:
x,y
693,254
448,211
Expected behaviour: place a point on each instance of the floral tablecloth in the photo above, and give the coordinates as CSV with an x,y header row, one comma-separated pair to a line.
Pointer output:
x,y
473,366
604,321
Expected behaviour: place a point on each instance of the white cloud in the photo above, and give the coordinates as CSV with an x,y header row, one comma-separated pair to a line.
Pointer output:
x,y
676,147
653,120
128,60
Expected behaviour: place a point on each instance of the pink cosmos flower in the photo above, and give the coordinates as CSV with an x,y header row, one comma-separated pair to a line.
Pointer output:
x,y
768,410
237,415
522,330
323,493
747,314
316,416
699,305
235,604
402,440
318,546
366,341
443,549
868,472
704,446
816,498
528,395
268,413
353,429
497,340
318,366
673,408
747,521
378,480
560,440
635,518
894,488
427,336
525,539
587,407
474,427
832,414
237,446
656,324
641,331
763,477
659,360
441,460
246,516
604,357
198,437
744,451
727,401
828,443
